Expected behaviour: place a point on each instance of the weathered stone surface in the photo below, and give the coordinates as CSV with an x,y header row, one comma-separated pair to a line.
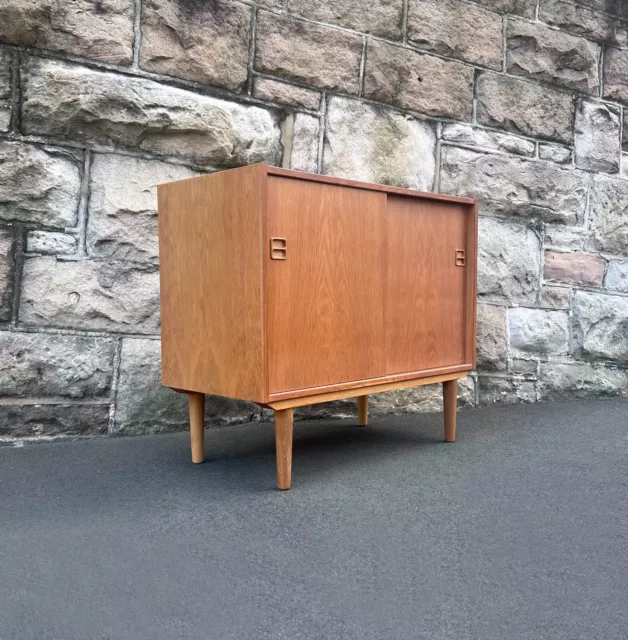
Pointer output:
x,y
600,326
565,381
305,139
555,297
492,338
514,186
539,52
7,267
597,143
144,406
38,364
5,90
308,53
122,220
467,135
505,390
106,296
562,237
97,29
36,420
381,17
616,74
508,261
574,268
38,185
539,330
206,42
525,365
417,81
583,21
78,103
624,141
51,242
456,29
609,212
275,91
375,144
524,8
555,153
616,277
524,107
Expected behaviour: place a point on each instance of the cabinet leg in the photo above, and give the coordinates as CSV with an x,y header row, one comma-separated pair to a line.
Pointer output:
x,y
450,400
196,403
283,446
363,410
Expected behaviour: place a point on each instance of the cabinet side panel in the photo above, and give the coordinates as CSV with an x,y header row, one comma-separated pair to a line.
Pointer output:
x,y
211,284
472,284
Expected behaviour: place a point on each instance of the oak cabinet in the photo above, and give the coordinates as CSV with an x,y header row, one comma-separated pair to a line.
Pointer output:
x,y
286,289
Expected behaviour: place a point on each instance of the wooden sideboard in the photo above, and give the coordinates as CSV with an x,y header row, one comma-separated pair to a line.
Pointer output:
x,y
287,289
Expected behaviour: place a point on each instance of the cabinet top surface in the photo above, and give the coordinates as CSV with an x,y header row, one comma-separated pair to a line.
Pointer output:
x,y
315,177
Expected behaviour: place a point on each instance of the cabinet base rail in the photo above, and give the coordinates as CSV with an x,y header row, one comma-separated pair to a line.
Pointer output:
x,y
284,416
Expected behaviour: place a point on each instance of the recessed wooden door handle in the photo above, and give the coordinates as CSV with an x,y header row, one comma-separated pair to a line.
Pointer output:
x,y
278,249
460,258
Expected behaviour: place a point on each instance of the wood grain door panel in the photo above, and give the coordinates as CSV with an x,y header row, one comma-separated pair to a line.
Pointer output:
x,y
324,311
425,290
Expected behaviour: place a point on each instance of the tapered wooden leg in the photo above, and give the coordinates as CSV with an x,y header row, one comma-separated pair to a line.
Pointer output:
x,y
450,399
363,410
197,426
283,446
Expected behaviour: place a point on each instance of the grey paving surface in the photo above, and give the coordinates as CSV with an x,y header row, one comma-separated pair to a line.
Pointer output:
x,y
519,530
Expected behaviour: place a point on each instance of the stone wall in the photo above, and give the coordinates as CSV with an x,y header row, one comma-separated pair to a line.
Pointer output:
x,y
522,103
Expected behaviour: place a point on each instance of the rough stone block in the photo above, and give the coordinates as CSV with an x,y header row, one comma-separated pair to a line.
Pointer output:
x,y
38,364
274,91
98,107
309,53
597,142
419,82
524,8
37,420
144,406
38,185
508,261
555,297
562,237
456,29
469,136
583,21
505,390
538,52
96,29
51,242
524,107
205,42
624,141
600,326
565,381
609,213
555,153
514,186
539,330
574,268
492,338
525,365
122,220
616,74
305,139
381,18
375,144
7,268
5,90
83,294
616,277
